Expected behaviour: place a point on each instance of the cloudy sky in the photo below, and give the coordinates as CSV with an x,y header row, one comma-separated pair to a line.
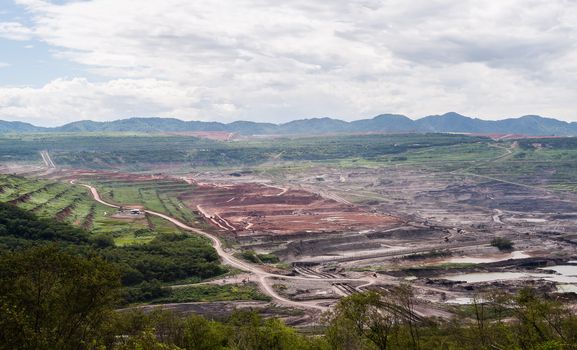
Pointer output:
x,y
269,60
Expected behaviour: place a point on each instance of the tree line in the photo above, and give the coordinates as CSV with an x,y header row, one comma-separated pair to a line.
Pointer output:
x,y
51,298
142,268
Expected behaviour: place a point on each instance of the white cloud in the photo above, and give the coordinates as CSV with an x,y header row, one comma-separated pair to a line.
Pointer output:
x,y
265,60
4,64
66,100
15,31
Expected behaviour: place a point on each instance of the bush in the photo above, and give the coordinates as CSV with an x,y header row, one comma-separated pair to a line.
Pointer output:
x,y
250,255
253,257
102,241
146,291
268,258
503,244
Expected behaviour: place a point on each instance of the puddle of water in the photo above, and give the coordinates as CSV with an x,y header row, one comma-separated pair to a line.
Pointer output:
x,y
565,277
460,301
533,220
477,277
565,270
471,260
356,253
567,288
560,278
464,301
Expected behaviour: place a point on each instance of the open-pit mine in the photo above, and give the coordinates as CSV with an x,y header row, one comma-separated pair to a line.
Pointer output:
x,y
253,208
307,235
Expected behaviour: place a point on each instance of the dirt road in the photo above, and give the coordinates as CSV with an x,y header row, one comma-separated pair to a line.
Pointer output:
x,y
47,160
229,259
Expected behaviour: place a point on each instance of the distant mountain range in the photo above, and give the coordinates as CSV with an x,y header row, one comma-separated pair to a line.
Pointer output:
x,y
385,123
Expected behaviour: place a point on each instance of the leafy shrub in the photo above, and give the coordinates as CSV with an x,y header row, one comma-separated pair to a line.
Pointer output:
x,y
253,257
503,244
268,258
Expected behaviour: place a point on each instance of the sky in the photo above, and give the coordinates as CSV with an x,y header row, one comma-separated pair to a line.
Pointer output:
x,y
276,61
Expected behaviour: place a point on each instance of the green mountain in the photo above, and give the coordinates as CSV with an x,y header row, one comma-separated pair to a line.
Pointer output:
x,y
18,127
385,123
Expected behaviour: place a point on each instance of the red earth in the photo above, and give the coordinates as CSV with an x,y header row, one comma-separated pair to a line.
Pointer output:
x,y
255,208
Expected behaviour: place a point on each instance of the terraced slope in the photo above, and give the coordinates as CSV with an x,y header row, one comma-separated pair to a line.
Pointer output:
x,y
73,204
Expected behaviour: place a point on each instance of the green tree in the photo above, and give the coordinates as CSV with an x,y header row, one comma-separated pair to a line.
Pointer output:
x,y
51,299
361,321
543,323
145,340
248,331
503,244
202,334
376,320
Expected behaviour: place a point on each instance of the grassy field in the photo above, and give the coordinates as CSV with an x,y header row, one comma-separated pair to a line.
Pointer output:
x,y
135,152
547,163
435,158
157,195
74,204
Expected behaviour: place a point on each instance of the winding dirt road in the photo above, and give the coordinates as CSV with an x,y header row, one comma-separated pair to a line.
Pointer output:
x,y
229,259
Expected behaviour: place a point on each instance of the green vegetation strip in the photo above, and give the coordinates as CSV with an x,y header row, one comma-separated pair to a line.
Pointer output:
x,y
74,205
213,292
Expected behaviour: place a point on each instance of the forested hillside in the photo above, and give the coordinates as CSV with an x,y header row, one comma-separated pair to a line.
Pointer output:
x,y
167,258
137,150
384,123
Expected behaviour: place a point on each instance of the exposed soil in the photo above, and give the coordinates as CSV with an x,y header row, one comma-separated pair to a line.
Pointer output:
x,y
150,223
89,219
64,213
21,199
253,208
211,135
75,174
505,196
